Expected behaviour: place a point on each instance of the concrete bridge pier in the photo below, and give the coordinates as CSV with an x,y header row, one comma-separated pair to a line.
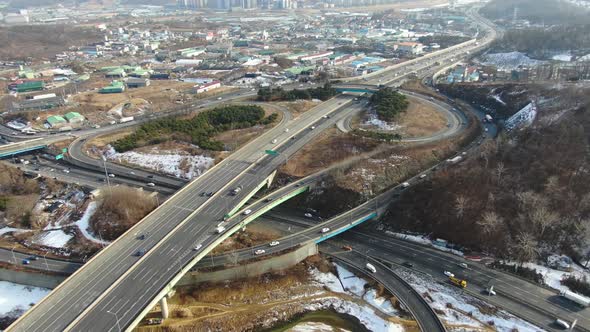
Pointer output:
x,y
164,307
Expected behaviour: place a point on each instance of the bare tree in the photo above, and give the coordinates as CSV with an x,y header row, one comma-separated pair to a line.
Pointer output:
x,y
543,218
490,222
500,169
460,205
526,247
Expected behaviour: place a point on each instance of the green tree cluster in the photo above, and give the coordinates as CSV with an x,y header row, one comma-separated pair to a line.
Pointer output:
x,y
279,94
389,103
197,130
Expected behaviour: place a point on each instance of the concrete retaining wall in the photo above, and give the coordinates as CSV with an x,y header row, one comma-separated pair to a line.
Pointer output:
x,y
31,278
276,263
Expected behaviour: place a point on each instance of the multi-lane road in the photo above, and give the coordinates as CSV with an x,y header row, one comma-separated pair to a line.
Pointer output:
x,y
116,276
115,287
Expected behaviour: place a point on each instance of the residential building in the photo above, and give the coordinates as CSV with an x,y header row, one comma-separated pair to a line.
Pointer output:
x,y
74,117
409,48
137,82
56,121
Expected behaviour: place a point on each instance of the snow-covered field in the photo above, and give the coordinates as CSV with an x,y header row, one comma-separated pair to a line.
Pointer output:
x,y
354,285
459,309
509,61
54,239
176,163
15,299
553,277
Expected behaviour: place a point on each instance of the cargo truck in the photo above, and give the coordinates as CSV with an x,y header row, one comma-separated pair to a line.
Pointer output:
x,y
455,160
458,282
579,299
126,119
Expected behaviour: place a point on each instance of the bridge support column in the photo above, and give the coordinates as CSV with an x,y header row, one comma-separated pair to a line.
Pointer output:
x,y
270,178
164,307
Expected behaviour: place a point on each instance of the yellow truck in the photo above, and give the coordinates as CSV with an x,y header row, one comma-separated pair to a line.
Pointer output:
x,y
458,282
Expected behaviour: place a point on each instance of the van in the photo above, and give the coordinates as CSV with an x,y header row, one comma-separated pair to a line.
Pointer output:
x,y
371,268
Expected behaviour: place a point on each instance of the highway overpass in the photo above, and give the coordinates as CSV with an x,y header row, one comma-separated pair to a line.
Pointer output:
x,y
115,275
356,88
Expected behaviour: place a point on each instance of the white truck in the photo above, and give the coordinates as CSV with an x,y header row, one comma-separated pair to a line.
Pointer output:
x,y
581,300
126,119
454,160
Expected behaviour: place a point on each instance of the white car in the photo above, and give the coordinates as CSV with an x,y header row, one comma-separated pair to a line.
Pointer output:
x,y
219,98
449,274
308,215
286,130
247,212
274,243
422,176
197,247
325,229
312,127
463,265
259,252
111,175
150,184
66,171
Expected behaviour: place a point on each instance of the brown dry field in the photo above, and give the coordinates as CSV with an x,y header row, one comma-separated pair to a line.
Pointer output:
x,y
254,235
419,120
242,305
364,164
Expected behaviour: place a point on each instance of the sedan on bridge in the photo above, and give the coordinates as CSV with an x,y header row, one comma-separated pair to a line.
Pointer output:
x,y
259,252
325,229
274,243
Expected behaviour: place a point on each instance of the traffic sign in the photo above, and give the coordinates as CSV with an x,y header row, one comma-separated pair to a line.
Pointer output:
x,y
271,152
59,156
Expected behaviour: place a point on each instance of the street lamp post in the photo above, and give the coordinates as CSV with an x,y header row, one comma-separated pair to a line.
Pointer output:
x,y
116,318
45,259
106,174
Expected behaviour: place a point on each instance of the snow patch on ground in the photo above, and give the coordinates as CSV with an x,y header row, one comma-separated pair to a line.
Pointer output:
x,y
366,315
457,308
5,230
351,282
553,277
354,285
313,327
566,57
498,99
373,120
422,239
327,279
15,299
509,61
54,239
170,162
84,226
